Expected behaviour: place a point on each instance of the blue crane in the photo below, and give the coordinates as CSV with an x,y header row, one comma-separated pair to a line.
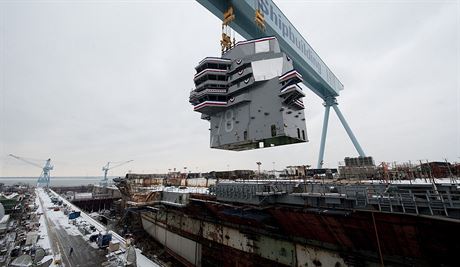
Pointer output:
x,y
44,178
104,182
259,18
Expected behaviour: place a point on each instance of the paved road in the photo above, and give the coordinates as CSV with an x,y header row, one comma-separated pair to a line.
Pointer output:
x,y
83,254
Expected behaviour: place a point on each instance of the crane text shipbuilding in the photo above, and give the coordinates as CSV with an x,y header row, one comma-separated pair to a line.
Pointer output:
x,y
289,33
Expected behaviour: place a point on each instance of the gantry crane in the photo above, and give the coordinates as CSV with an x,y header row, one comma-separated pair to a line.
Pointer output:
x,y
44,178
106,168
254,19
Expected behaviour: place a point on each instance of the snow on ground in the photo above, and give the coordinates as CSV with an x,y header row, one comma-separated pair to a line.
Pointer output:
x,y
59,218
86,218
199,190
181,189
44,240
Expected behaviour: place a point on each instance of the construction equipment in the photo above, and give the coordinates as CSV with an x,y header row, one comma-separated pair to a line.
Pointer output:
x,y
106,168
44,178
269,20
103,240
226,42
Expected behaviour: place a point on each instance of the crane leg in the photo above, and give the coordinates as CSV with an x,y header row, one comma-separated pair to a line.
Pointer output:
x,y
349,131
323,136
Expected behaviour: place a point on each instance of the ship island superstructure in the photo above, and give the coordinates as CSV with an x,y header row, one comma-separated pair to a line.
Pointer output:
x,y
251,97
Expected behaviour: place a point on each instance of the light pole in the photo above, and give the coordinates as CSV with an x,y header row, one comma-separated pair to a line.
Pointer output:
x,y
258,169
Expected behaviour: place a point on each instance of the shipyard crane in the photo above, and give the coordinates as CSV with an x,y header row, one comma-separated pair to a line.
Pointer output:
x,y
107,167
254,19
44,178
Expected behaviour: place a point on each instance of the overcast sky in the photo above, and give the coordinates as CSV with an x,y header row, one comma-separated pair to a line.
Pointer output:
x,y
85,83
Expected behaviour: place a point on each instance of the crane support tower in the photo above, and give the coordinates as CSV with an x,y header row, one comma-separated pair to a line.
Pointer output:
x,y
44,178
104,182
255,19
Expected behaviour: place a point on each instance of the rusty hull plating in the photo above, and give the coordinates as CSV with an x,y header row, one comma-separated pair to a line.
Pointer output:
x,y
273,232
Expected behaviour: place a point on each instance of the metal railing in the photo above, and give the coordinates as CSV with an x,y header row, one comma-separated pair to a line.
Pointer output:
x,y
428,202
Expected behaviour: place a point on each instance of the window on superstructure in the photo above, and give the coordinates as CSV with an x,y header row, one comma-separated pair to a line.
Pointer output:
x,y
298,133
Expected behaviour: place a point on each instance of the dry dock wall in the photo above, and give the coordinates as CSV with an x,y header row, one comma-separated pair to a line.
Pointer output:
x,y
185,250
199,242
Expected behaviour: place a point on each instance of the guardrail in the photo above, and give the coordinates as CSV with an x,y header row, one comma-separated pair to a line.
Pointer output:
x,y
428,202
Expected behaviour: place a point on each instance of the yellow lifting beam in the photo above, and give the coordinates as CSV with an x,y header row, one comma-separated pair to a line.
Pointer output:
x,y
229,16
260,19
226,41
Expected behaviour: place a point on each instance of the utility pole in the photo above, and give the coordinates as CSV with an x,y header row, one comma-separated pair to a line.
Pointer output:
x,y
452,179
429,169
422,170
258,170
433,182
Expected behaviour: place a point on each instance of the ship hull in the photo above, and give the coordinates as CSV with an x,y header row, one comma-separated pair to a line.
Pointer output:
x,y
209,233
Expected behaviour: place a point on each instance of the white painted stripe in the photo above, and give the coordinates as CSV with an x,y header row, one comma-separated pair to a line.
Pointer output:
x,y
290,77
299,102
206,70
210,103
290,73
214,59
207,105
288,88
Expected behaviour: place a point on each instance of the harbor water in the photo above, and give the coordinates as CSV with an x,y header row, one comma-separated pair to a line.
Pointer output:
x,y
55,181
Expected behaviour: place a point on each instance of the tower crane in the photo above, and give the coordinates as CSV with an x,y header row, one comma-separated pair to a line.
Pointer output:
x,y
254,19
44,178
107,167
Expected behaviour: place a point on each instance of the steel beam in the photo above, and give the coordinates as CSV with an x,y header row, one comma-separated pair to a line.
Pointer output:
x,y
316,74
323,136
349,131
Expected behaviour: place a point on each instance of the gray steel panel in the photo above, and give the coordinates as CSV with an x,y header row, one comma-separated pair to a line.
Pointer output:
x,y
255,112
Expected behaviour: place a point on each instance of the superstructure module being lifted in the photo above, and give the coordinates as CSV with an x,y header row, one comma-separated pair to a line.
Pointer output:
x,y
242,92
251,97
